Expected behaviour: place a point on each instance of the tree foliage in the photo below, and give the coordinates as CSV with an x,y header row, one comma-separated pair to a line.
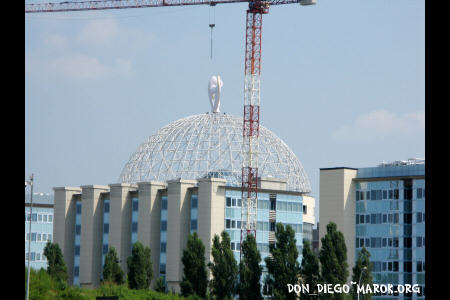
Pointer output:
x,y
160,285
283,266
223,268
250,270
366,277
309,270
111,269
333,259
56,268
139,267
195,280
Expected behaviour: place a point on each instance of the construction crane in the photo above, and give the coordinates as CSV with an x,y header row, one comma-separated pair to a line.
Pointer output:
x,y
252,83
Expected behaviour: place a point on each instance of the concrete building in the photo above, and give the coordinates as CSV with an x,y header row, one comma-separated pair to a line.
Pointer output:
x,y
41,228
382,209
185,178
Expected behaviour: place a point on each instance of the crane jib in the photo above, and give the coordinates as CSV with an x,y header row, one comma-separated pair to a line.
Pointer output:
x,y
123,4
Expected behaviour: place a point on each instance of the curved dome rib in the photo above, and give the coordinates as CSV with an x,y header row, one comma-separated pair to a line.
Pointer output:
x,y
210,145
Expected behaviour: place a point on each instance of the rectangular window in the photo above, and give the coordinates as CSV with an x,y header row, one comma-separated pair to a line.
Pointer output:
x,y
28,237
373,242
373,195
164,225
395,266
390,242
357,195
34,219
419,193
367,219
78,210
238,224
273,205
162,268
378,218
45,218
407,218
135,205
419,266
272,226
419,217
44,237
163,204
38,237
384,242
419,241
362,195
379,194
134,227
357,219
357,243
407,266
76,271
39,218
391,194
240,203
163,247
361,219
361,243
106,228
78,229
367,242
77,250
233,201
33,256
395,241
385,194
50,218
373,219
105,249
385,218
106,207
233,246
395,218
193,224
305,209
228,202
390,266
227,223
49,237
367,195
384,266
33,236
233,224
38,256
407,241
396,194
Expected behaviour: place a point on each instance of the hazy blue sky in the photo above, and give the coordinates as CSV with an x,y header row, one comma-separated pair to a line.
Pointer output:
x,y
342,83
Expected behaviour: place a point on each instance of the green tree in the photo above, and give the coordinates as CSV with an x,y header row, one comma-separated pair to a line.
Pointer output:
x,y
56,266
250,270
195,279
148,265
333,259
111,269
139,263
363,265
160,285
283,266
309,270
224,269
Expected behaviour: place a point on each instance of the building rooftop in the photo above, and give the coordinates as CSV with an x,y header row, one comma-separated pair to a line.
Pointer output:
x,y
40,198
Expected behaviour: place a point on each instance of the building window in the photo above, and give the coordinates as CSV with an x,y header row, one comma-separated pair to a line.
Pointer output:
x,y
367,219
407,242
419,217
227,223
33,236
385,194
163,225
396,194
78,229
419,266
419,241
357,196
76,271
50,218
163,247
384,218
164,204
305,209
106,207
134,227
39,218
193,224
105,248
77,250
357,219
228,202
396,243
419,193
361,219
407,218
395,266
194,202
45,218
162,268
106,228
361,195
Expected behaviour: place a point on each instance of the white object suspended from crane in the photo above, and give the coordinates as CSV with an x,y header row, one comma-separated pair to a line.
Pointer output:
x,y
214,90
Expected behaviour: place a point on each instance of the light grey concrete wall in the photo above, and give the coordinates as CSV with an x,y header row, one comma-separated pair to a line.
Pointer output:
x,y
91,235
178,229
211,211
149,220
272,184
337,204
64,223
310,203
120,221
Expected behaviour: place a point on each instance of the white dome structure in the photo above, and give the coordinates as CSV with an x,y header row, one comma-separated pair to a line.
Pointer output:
x,y
210,145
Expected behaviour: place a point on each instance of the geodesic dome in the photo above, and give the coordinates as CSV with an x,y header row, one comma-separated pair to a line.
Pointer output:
x,y
210,145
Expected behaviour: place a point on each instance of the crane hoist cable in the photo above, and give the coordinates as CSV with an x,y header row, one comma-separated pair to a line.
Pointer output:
x,y
212,24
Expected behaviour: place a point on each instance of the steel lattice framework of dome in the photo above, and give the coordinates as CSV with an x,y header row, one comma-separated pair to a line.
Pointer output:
x,y
210,145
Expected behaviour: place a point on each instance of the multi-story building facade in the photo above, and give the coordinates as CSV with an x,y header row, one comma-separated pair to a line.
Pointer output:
x,y
382,209
41,228
161,215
